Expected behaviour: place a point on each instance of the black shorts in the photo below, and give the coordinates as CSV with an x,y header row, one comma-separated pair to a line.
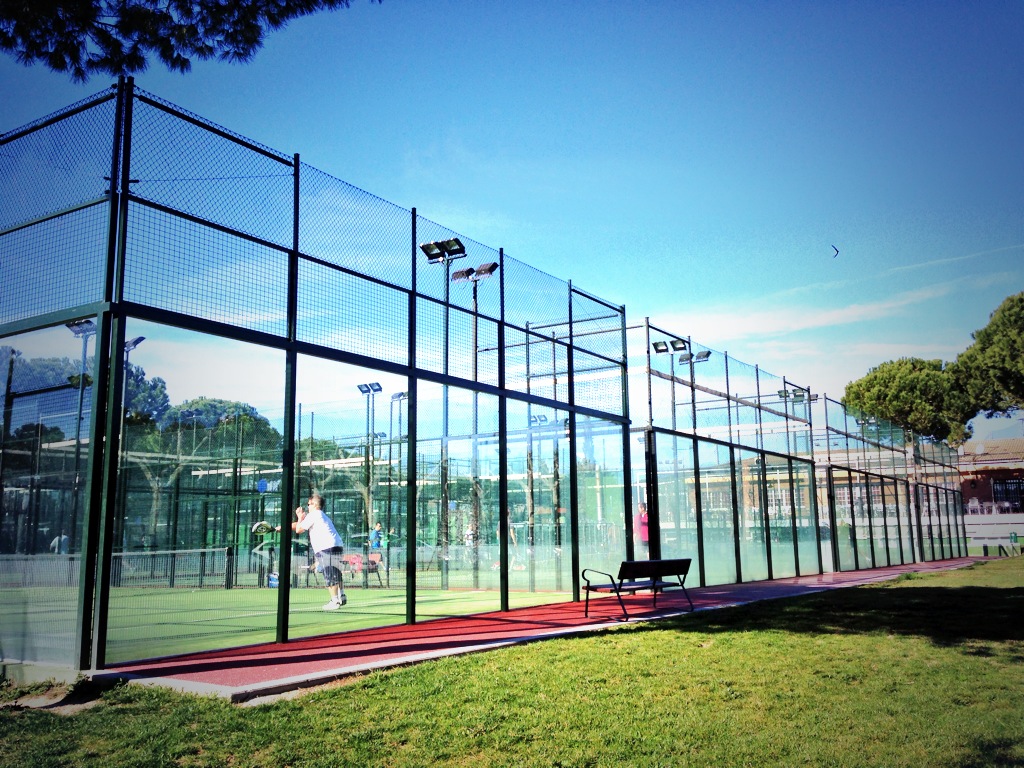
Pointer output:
x,y
329,561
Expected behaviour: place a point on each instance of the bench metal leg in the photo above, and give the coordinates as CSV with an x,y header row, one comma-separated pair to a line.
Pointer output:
x,y
688,598
586,606
625,613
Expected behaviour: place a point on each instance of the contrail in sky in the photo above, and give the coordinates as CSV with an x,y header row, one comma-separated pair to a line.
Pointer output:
x,y
953,259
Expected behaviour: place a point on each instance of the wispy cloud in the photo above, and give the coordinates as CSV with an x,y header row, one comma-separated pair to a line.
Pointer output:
x,y
827,286
771,316
827,367
952,259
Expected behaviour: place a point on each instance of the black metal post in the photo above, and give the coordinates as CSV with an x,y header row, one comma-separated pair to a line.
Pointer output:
x,y
288,480
412,486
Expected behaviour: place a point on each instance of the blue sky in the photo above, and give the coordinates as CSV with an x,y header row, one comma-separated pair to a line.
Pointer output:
x,y
694,161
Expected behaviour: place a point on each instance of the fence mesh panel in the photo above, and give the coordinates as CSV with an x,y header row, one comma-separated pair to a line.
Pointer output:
x,y
342,311
597,383
463,327
346,226
55,264
743,385
596,326
198,168
533,299
178,265
56,166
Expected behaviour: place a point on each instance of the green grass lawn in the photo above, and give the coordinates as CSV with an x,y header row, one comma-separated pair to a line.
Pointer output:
x,y
923,671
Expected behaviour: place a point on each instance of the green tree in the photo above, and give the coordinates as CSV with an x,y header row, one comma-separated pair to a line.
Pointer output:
x,y
915,394
210,431
145,399
115,37
23,449
991,370
209,412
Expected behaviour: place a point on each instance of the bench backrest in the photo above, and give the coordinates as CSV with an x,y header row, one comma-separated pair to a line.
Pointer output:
x,y
653,569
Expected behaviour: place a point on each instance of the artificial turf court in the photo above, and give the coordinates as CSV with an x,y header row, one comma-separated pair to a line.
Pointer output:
x,y
266,669
168,621
150,622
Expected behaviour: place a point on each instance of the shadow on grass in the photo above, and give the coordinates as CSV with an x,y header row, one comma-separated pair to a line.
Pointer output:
x,y
989,753
946,616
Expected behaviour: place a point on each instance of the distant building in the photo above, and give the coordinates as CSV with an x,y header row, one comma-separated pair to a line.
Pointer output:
x,y
992,476
992,479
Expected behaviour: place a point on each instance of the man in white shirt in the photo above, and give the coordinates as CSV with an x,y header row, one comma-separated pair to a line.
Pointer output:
x,y
327,546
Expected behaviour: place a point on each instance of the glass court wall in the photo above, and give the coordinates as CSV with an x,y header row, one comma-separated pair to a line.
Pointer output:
x,y
735,474
220,332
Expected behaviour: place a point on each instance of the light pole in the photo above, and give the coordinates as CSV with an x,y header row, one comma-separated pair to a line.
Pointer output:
x,y
444,252
125,404
690,359
671,347
84,330
474,276
370,391
5,427
396,398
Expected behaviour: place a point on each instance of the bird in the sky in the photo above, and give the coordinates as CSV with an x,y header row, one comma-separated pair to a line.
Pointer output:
x,y
836,251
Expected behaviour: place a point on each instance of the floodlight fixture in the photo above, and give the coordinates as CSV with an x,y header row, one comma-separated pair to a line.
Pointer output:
x,y
660,347
432,251
133,343
686,357
443,250
486,270
783,393
364,388
678,345
81,328
399,395
703,355
375,387
454,247
380,435
463,274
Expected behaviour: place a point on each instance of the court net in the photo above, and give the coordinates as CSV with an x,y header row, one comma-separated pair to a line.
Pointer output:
x,y
183,568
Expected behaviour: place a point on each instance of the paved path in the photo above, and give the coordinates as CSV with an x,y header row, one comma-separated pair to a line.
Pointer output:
x,y
259,671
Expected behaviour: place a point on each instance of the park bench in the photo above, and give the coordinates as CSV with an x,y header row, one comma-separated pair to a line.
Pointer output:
x,y
638,576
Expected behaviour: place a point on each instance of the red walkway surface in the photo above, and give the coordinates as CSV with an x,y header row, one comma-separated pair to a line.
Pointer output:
x,y
242,674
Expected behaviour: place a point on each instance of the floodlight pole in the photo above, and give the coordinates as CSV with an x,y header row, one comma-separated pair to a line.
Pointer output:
x,y
83,329
5,427
446,252
443,511
474,276
370,391
475,464
397,397
128,347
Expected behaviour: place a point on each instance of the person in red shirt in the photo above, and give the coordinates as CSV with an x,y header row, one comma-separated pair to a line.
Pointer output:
x,y
640,529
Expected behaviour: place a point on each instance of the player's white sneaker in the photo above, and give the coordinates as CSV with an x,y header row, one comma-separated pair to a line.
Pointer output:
x,y
332,605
